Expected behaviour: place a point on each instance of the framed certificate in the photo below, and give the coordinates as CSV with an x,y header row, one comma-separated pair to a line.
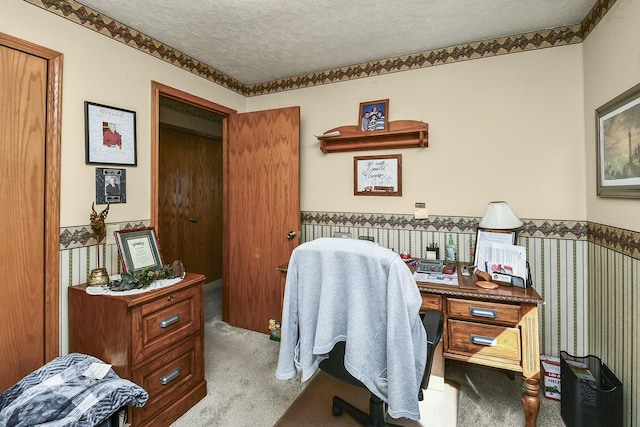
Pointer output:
x,y
138,249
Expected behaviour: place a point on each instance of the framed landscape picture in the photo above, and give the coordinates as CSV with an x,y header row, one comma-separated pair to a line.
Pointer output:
x,y
618,146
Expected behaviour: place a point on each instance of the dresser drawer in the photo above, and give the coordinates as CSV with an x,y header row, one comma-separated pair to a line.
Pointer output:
x,y
164,321
480,311
431,302
169,376
481,340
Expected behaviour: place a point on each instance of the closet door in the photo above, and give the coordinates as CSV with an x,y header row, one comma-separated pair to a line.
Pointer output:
x,y
26,309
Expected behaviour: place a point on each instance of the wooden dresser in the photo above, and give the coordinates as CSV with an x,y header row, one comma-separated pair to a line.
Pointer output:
x,y
155,339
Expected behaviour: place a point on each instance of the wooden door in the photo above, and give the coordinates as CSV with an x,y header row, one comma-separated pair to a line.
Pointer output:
x,y
262,208
29,167
190,201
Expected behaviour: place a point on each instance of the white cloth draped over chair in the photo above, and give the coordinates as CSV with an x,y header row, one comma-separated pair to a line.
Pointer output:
x,y
358,292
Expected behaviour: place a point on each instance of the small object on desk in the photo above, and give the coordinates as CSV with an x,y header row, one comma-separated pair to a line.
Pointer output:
x,y
406,256
486,285
465,270
429,266
483,275
449,269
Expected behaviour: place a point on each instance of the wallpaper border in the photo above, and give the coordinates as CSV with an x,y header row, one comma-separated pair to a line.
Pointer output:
x,y
89,18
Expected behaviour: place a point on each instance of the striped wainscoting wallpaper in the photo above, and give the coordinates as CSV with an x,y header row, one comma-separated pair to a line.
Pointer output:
x,y
587,273
556,250
79,253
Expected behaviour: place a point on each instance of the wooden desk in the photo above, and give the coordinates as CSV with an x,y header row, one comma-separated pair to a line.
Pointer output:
x,y
491,327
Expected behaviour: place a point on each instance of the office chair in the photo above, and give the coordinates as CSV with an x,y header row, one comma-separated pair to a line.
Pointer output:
x,y
433,321
352,309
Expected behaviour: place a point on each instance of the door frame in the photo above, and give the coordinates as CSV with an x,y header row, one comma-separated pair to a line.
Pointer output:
x,y
158,90
52,189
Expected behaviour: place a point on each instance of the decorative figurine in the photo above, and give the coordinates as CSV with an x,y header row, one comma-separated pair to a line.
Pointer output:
x,y
274,327
99,275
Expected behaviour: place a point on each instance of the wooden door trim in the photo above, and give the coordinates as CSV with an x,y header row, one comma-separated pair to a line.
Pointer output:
x,y
52,189
158,90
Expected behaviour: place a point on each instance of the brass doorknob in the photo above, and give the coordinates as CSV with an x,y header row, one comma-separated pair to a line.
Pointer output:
x,y
291,234
194,220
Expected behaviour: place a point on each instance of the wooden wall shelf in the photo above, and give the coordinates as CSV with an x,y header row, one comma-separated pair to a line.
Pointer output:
x,y
401,134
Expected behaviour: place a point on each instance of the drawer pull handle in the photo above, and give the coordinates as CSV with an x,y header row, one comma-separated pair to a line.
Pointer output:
x,y
169,321
483,312
486,341
170,376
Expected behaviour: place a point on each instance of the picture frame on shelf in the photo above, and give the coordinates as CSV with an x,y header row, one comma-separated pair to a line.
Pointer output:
x,y
618,146
377,175
138,249
374,116
111,185
110,135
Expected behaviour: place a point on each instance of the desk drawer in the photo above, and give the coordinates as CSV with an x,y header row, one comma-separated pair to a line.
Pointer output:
x,y
431,302
481,311
480,340
164,321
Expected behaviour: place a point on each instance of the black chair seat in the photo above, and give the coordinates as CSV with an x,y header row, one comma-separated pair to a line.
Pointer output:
x,y
433,321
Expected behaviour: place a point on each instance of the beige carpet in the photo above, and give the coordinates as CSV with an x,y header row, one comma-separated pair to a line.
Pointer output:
x,y
313,406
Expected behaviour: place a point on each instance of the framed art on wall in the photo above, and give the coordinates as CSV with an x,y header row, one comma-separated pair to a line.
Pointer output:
x,y
138,249
374,116
110,135
618,146
377,175
111,185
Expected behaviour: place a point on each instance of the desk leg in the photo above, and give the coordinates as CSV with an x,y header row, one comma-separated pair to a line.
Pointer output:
x,y
530,400
530,364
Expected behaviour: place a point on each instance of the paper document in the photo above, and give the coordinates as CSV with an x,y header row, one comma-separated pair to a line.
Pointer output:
x,y
437,278
329,134
507,259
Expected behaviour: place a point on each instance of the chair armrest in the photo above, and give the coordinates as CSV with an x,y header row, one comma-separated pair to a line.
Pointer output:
x,y
433,322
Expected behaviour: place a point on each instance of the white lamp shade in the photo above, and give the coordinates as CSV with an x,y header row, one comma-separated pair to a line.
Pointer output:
x,y
499,216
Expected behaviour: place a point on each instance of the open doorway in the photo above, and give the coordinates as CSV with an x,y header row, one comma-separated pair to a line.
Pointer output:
x,y
187,186
190,187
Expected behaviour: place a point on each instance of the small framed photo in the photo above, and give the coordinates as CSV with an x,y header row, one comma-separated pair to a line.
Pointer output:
x,y
374,116
618,146
377,175
111,186
110,135
138,249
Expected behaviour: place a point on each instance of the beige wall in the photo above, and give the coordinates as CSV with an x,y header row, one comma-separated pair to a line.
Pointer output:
x,y
99,69
502,128
611,66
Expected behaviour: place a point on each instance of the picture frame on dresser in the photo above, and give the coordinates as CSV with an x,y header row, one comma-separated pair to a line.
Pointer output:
x,y
618,146
138,249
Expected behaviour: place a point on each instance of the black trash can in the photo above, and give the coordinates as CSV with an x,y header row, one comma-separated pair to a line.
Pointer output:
x,y
591,393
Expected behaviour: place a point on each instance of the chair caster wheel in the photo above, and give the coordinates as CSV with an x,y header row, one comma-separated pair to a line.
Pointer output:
x,y
336,411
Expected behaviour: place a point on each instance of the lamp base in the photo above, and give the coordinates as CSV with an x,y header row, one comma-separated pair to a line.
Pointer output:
x,y
98,277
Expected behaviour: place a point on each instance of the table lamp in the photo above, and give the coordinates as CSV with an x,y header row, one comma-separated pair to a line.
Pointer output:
x,y
499,216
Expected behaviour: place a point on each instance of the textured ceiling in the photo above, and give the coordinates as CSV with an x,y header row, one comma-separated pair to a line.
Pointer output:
x,y
263,40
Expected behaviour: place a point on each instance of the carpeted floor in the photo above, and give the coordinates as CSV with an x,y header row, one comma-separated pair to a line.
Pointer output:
x,y
313,406
242,389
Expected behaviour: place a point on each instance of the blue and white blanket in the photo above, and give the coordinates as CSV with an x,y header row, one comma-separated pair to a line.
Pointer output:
x,y
58,394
